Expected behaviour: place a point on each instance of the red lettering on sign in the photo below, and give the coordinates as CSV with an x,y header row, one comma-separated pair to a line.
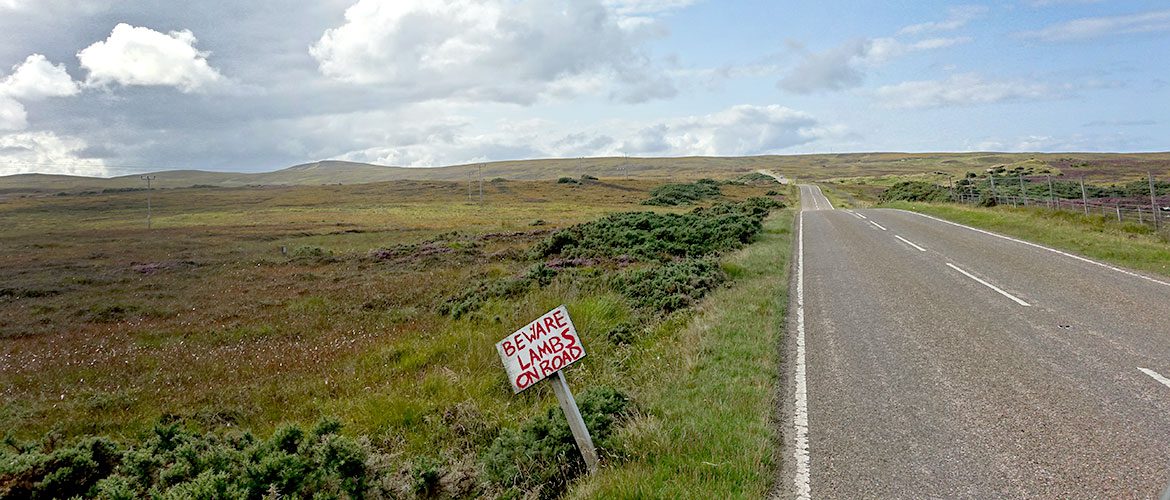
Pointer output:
x,y
509,349
526,379
520,345
559,319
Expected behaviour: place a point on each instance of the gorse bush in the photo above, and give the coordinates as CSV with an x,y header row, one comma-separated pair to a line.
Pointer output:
x,y
671,286
669,195
915,191
542,454
173,462
503,288
664,239
659,237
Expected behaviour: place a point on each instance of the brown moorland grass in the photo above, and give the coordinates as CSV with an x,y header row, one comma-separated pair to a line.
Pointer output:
x,y
252,307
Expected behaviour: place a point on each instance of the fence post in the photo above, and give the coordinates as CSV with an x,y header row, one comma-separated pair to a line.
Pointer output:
x,y
1052,194
1084,197
1118,207
1154,204
1140,221
1023,192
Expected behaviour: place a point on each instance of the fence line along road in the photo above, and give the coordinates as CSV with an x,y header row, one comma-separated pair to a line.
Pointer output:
x,y
1155,212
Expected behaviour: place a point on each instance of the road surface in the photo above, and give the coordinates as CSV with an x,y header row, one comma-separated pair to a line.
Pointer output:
x,y
934,360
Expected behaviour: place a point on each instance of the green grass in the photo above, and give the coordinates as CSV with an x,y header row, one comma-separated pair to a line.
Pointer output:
x,y
708,387
1128,245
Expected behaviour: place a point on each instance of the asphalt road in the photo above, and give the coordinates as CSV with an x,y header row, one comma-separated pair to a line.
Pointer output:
x,y
934,360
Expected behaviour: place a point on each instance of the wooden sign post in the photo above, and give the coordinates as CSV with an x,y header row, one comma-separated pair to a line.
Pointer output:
x,y
541,350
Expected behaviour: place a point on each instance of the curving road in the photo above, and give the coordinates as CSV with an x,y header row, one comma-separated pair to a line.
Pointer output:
x,y
935,360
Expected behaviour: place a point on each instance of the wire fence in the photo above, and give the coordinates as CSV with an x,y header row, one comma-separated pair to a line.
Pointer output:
x,y
1123,203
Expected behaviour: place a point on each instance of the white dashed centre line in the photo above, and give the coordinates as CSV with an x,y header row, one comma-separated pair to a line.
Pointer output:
x,y
1153,374
908,242
989,285
879,226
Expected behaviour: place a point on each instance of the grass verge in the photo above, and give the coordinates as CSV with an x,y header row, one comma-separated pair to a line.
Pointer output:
x,y
1128,245
707,389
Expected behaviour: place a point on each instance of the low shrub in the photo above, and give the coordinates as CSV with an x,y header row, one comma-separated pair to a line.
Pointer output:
x,y
915,191
501,288
568,180
671,286
312,254
669,195
174,462
541,456
660,237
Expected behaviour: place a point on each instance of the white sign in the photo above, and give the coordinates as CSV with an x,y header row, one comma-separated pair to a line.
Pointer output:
x,y
540,349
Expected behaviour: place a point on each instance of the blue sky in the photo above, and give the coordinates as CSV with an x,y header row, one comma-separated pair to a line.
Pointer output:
x,y
106,87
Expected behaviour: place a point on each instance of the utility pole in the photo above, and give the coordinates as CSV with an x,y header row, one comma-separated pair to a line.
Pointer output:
x,y
469,186
1084,196
481,184
148,178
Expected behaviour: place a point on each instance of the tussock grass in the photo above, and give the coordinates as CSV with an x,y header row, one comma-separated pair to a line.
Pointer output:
x,y
1125,244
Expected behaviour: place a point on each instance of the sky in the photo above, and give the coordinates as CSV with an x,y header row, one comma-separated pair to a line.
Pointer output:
x,y
118,87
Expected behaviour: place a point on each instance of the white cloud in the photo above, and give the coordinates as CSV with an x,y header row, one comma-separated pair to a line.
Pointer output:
x,y
45,152
959,90
38,78
739,130
141,56
487,50
35,78
1097,27
958,18
844,66
643,7
12,114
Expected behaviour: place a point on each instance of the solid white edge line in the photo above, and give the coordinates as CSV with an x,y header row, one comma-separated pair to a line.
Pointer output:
x,y
801,481
989,285
1156,376
1042,247
908,242
879,226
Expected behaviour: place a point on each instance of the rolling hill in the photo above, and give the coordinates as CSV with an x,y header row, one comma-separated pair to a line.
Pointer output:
x,y
1094,166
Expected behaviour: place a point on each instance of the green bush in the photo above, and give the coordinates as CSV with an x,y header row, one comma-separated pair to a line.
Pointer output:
x,y
660,237
915,191
671,286
568,180
669,195
173,462
312,254
501,288
542,456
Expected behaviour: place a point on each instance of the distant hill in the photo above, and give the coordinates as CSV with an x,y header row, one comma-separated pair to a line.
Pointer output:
x,y
1101,166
